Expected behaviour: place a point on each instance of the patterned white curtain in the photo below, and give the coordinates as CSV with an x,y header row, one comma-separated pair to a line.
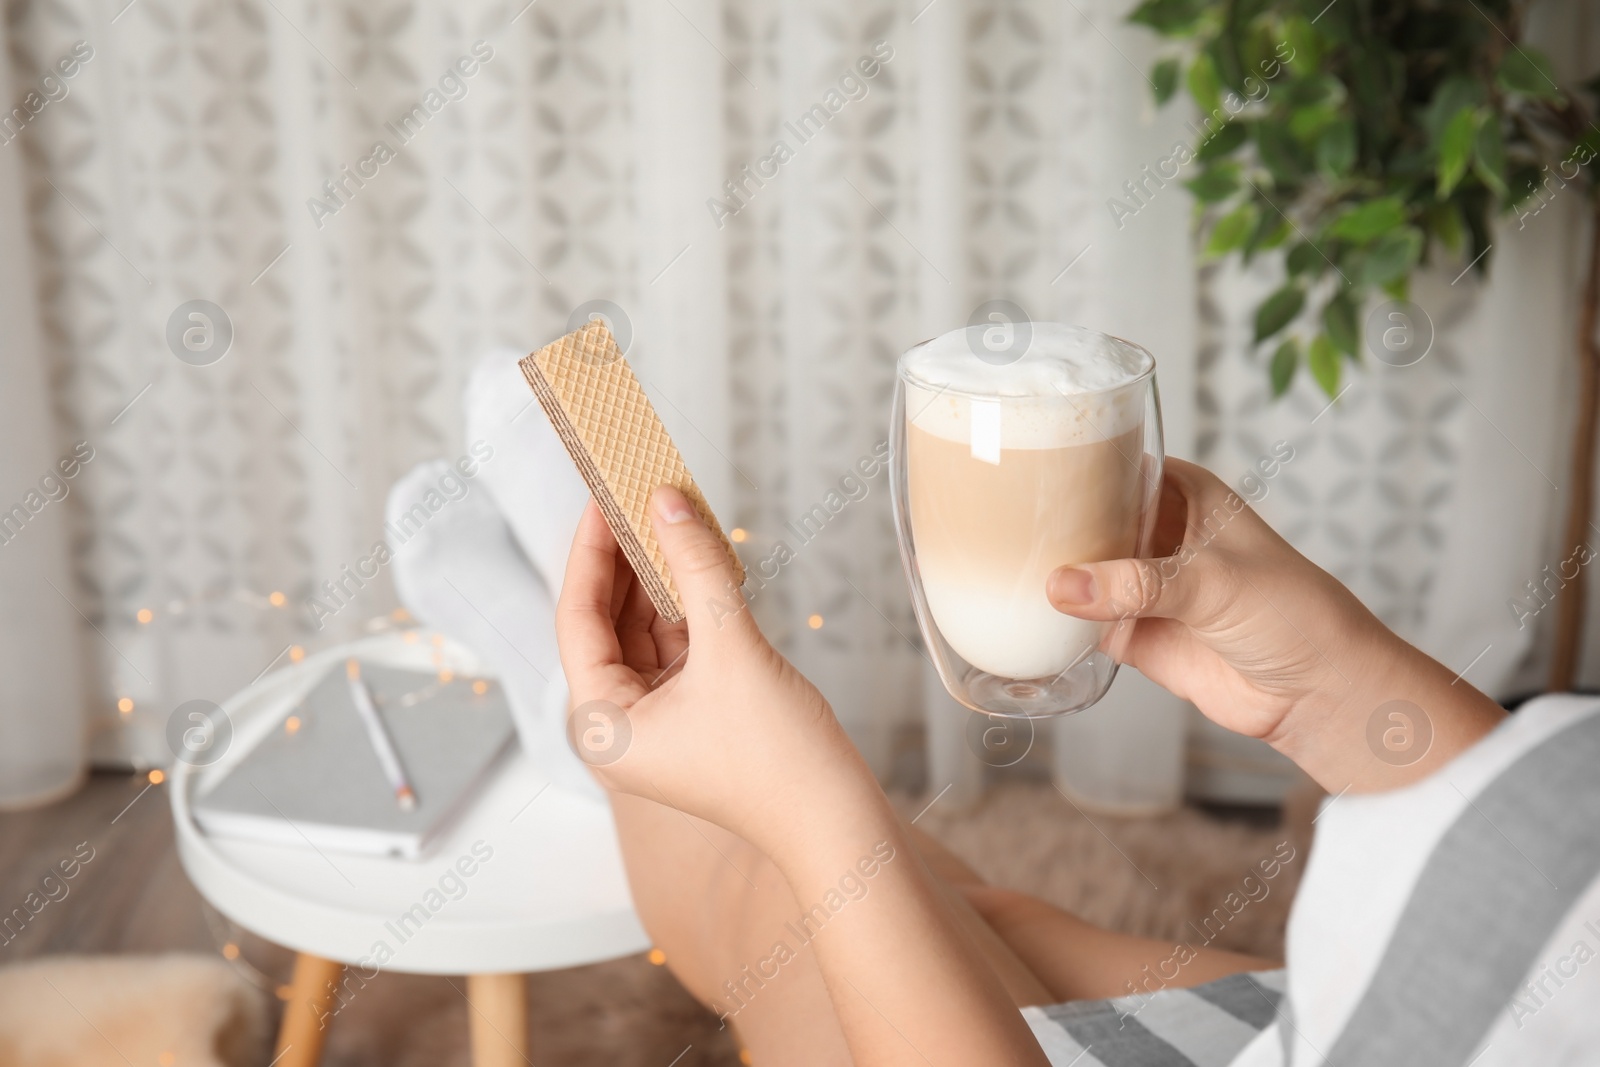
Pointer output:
x,y
373,194
229,152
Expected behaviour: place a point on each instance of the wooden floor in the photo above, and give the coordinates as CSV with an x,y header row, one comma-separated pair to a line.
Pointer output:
x,y
133,897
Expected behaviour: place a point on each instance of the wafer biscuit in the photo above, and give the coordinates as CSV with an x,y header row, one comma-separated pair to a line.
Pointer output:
x,y
620,447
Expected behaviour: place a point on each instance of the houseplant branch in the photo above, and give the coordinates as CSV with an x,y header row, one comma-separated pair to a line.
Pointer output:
x,y
1392,132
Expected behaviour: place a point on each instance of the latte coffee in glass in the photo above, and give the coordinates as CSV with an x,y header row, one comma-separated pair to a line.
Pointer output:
x,y
1006,471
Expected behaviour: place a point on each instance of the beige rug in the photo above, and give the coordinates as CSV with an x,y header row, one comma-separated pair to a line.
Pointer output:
x,y
109,1011
1150,876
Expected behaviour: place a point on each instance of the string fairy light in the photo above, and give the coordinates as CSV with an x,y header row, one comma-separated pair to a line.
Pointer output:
x,y
398,621
274,600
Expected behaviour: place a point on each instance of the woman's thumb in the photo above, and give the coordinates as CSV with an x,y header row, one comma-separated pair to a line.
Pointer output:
x,y
1125,589
702,566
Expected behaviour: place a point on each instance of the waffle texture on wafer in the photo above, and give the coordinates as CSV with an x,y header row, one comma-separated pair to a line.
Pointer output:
x,y
620,446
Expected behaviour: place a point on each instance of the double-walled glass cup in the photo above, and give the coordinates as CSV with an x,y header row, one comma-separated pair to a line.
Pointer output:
x,y
1005,468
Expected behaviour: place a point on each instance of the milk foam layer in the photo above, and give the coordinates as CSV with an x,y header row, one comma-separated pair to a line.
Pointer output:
x,y
1072,386
1059,360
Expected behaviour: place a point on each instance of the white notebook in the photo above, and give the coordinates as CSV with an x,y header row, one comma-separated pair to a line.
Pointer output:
x,y
316,781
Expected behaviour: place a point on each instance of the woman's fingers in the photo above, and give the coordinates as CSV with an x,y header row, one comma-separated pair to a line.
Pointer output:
x,y
702,571
1168,653
649,645
1127,589
1172,509
590,654
622,581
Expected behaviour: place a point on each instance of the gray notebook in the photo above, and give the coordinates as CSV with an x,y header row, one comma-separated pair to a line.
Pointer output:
x,y
316,780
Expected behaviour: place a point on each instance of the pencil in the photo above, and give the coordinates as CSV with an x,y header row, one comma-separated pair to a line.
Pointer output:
x,y
378,734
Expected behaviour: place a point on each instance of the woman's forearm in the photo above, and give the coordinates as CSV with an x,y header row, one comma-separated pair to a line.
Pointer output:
x,y
908,984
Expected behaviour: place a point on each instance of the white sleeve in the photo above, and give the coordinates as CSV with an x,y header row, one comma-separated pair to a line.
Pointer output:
x,y
1425,911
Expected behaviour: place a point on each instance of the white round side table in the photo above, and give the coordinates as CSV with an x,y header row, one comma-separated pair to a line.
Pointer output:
x,y
544,886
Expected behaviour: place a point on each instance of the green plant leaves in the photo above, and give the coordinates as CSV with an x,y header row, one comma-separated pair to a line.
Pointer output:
x,y
1204,85
1454,94
1304,258
1164,79
1306,123
1270,232
1231,231
1445,222
1226,140
1392,256
1323,362
1224,52
1171,18
1285,361
1475,212
1336,148
1526,70
1489,157
1278,310
1302,45
1387,132
1456,145
1215,183
1316,90
1312,104
1339,323
1282,155
1367,221
1257,50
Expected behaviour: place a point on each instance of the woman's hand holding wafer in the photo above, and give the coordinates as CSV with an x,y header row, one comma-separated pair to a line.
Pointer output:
x,y
702,715
718,725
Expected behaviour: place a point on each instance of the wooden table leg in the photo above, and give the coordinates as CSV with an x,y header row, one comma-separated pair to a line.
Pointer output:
x,y
498,1016
305,1014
